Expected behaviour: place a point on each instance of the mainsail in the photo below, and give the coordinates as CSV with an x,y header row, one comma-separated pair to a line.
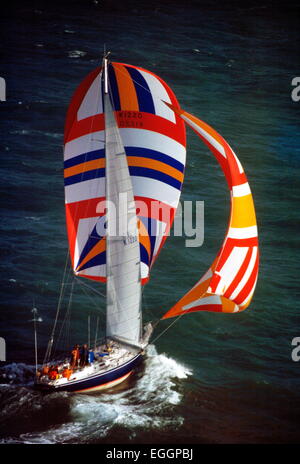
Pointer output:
x,y
153,137
229,284
123,307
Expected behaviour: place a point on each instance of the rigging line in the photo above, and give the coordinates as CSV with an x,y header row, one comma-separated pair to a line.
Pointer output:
x,y
96,333
69,308
59,307
94,303
67,316
64,339
177,318
67,341
62,289
88,286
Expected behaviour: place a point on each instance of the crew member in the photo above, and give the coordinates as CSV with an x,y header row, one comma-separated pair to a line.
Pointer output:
x,y
75,355
84,353
53,373
67,373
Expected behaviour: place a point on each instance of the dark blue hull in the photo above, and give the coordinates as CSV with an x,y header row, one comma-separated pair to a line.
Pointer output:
x,y
97,381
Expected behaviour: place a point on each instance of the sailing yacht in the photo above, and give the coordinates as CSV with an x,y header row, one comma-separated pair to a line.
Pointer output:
x,y
124,159
124,152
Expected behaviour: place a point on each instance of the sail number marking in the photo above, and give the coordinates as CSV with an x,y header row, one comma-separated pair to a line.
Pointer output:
x,y
129,239
130,119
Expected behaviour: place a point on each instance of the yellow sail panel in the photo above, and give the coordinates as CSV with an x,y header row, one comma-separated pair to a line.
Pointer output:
x,y
228,286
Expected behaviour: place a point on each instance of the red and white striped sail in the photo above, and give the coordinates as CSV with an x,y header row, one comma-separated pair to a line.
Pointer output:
x,y
229,284
153,137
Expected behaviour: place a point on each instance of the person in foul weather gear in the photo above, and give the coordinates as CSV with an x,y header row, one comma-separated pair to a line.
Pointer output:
x,y
84,353
75,355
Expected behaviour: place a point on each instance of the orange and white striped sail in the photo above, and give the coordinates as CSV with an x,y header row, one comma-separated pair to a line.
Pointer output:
x,y
229,284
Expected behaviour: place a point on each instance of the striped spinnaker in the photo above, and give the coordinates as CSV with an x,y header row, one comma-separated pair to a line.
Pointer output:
x,y
153,136
229,284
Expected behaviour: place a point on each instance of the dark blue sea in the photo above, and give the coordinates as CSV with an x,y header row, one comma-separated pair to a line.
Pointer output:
x,y
211,378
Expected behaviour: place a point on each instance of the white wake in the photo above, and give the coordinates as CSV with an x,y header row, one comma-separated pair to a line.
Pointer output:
x,y
147,404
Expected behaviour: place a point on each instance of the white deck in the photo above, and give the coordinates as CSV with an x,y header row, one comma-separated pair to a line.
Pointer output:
x,y
116,357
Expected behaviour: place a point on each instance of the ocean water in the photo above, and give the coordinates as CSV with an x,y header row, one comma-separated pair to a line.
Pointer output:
x,y
210,378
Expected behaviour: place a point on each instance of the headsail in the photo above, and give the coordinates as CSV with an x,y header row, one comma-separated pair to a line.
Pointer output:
x,y
229,284
153,137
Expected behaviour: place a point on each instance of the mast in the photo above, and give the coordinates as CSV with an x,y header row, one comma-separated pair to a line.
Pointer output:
x,y
35,320
89,331
105,73
34,310
123,281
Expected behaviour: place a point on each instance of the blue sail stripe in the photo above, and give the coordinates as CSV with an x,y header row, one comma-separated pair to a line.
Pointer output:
x,y
88,175
89,156
152,173
113,88
134,171
142,91
144,255
96,261
101,258
152,231
93,239
155,155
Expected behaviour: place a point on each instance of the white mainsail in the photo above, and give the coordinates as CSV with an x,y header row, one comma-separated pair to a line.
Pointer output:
x,y
123,286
